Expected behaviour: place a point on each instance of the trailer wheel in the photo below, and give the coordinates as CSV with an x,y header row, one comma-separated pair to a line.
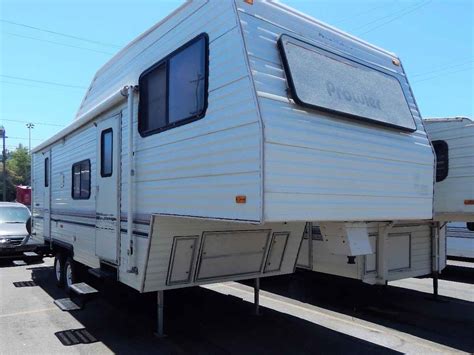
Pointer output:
x,y
70,273
59,269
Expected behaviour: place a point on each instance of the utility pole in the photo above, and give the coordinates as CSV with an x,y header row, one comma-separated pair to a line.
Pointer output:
x,y
4,159
30,126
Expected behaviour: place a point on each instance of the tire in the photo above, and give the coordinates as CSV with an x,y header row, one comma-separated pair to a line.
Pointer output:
x,y
59,270
70,273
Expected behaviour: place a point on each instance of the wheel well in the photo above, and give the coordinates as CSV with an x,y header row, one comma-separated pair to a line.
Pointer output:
x,y
62,248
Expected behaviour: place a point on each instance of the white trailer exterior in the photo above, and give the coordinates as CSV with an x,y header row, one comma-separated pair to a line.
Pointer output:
x,y
460,239
225,193
453,140
402,250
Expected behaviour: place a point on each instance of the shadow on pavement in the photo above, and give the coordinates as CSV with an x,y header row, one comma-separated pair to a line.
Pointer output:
x,y
448,321
198,321
458,273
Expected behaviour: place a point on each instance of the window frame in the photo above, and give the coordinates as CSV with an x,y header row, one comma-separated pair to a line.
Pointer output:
x,y
46,172
444,145
165,61
88,161
102,152
338,54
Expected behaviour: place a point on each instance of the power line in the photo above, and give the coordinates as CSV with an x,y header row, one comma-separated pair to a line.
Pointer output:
x,y
26,138
443,74
397,17
60,33
30,86
395,13
44,82
444,68
355,16
57,43
36,123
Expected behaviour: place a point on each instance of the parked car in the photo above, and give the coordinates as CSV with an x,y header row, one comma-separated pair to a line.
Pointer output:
x,y
14,236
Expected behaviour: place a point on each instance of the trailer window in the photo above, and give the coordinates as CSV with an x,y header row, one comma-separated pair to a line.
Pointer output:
x,y
442,159
46,172
106,152
173,92
81,180
326,81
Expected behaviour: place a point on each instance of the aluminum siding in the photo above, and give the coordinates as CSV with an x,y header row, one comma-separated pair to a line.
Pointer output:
x,y
321,167
199,168
459,185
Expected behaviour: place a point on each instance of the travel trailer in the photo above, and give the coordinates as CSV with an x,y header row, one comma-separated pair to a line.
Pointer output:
x,y
202,148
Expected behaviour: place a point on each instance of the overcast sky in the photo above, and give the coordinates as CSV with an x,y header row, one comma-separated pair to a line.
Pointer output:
x,y
44,75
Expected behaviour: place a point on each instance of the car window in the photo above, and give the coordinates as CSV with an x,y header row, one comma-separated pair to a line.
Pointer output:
x,y
14,215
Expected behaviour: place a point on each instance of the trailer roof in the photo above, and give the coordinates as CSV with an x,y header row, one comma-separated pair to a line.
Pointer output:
x,y
447,119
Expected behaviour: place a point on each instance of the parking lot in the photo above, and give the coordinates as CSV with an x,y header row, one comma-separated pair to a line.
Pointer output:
x,y
301,313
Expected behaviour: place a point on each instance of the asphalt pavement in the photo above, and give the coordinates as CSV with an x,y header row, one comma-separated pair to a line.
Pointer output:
x,y
303,313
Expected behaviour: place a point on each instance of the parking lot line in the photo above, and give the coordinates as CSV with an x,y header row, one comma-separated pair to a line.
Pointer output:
x,y
28,312
335,321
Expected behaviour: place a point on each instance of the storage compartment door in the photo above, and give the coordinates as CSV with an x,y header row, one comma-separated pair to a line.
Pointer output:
x,y
277,250
399,249
182,257
228,254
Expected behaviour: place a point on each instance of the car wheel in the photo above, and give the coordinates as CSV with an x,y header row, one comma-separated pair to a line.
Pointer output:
x,y
59,269
70,273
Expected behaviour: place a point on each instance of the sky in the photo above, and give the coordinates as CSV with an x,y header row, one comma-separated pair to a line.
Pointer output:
x,y
51,49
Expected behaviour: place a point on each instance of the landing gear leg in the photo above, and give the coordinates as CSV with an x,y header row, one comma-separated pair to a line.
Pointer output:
x,y
160,308
435,285
256,296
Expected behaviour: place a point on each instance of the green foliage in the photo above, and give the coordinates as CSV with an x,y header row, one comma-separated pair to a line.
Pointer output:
x,y
18,171
18,164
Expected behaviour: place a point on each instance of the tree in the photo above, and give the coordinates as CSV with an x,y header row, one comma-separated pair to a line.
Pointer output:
x,y
18,171
18,165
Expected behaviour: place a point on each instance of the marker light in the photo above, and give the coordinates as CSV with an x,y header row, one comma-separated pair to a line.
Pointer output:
x,y
240,199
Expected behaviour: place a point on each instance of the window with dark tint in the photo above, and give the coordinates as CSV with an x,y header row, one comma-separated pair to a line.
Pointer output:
x,y
442,159
46,172
81,180
174,91
106,152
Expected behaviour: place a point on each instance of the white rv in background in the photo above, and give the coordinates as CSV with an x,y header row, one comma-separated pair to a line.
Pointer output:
x,y
460,239
453,141
202,148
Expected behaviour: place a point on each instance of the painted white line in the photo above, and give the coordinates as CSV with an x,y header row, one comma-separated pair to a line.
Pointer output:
x,y
344,324
28,312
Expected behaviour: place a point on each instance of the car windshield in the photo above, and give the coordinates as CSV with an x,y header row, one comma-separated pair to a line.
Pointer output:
x,y
14,214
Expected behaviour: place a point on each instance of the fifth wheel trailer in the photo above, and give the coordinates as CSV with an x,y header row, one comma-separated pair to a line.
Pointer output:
x,y
202,148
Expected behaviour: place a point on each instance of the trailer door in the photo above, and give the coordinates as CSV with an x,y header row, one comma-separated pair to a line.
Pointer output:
x,y
107,230
47,195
